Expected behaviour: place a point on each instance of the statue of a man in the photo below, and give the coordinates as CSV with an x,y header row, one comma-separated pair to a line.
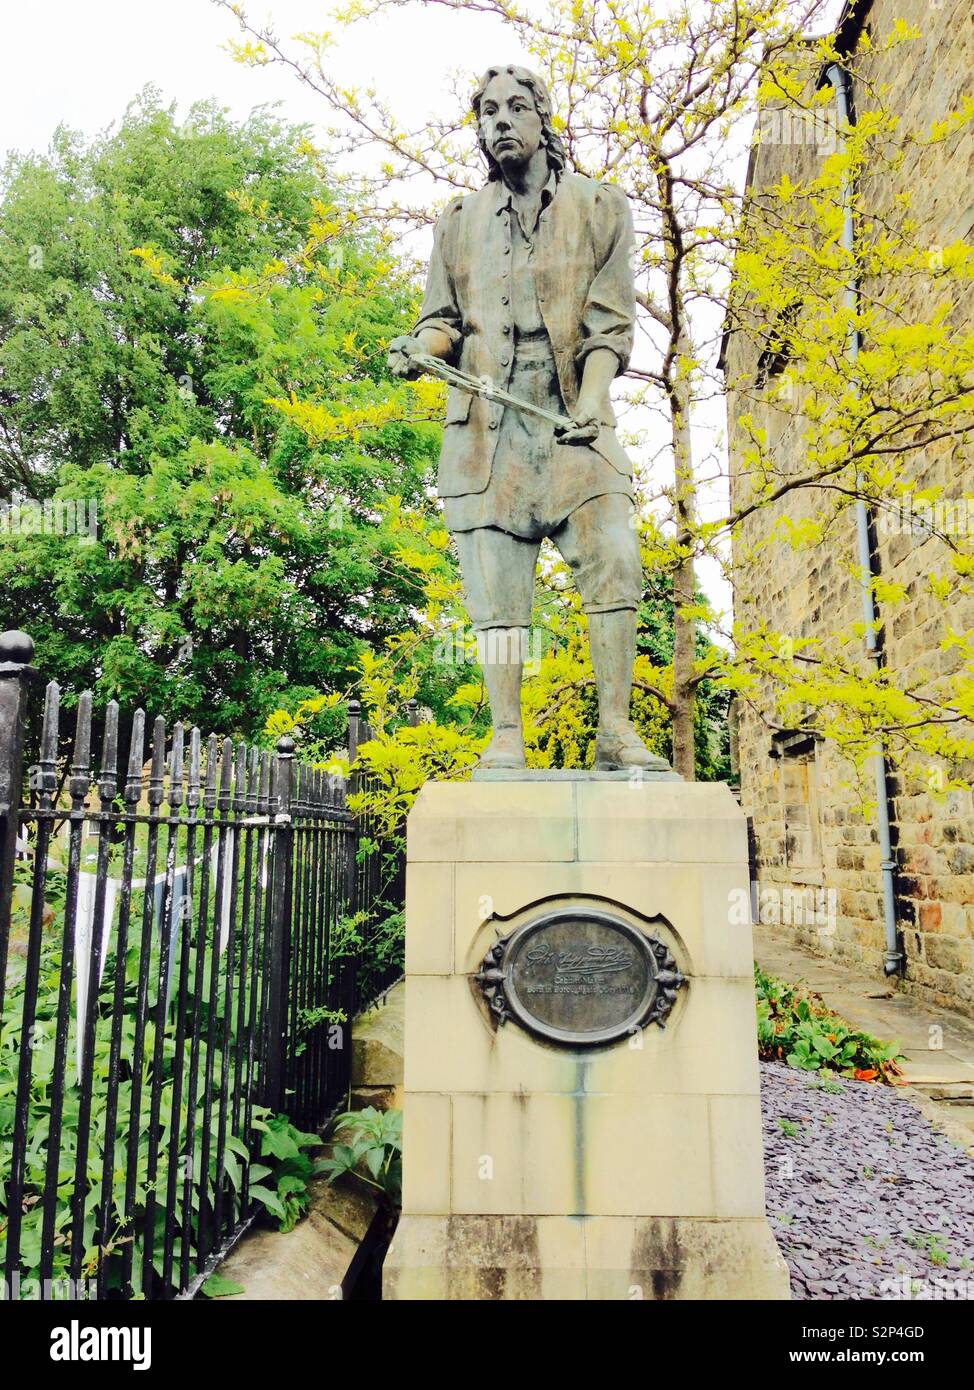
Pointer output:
x,y
531,284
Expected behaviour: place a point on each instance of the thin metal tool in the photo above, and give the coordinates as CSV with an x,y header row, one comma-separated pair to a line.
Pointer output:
x,y
485,388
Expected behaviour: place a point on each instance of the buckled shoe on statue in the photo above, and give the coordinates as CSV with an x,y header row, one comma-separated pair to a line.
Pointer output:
x,y
506,749
617,750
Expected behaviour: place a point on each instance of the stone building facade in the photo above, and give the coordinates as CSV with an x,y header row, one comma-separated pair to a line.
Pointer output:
x,y
816,853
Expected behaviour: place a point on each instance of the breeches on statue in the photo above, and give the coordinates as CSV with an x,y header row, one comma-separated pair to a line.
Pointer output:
x,y
597,541
539,488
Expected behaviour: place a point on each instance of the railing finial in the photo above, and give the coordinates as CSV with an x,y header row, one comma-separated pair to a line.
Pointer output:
x,y
16,648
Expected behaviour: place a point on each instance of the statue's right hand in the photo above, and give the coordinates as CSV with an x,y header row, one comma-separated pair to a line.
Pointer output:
x,y
399,361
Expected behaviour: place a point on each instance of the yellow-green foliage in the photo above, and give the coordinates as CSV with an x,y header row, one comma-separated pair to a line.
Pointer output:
x,y
655,99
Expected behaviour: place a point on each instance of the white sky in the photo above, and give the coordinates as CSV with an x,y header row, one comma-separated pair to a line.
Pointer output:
x,y
79,64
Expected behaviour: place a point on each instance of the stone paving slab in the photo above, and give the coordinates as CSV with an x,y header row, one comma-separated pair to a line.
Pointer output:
x,y
310,1262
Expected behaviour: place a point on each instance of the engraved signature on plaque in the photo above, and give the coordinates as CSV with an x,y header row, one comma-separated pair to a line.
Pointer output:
x,y
580,977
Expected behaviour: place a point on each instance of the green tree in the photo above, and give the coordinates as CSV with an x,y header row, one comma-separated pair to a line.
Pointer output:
x,y
167,292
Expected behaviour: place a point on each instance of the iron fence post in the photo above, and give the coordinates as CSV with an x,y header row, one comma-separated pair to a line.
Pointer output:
x,y
352,866
16,674
280,933
354,738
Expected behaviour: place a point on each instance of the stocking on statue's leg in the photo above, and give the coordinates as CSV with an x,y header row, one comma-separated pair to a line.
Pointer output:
x,y
600,544
612,637
498,581
500,652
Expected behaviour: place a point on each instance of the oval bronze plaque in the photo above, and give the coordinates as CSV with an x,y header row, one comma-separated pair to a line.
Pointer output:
x,y
580,977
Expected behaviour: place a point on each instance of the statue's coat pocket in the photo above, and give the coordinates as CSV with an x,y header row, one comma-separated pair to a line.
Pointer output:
x,y
457,407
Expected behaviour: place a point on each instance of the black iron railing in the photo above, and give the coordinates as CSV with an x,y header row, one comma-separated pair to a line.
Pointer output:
x,y
184,941
380,889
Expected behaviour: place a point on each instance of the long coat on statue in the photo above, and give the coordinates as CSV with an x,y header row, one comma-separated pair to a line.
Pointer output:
x,y
583,277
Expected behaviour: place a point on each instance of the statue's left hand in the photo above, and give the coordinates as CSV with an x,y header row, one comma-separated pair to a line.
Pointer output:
x,y
585,426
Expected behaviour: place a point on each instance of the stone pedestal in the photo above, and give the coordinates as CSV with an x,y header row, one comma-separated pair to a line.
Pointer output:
x,y
533,1170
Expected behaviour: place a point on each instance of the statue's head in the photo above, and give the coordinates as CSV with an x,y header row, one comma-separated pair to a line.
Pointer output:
x,y
513,110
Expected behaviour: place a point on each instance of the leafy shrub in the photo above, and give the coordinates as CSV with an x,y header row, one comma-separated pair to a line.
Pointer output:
x,y
283,1184
795,1026
373,1151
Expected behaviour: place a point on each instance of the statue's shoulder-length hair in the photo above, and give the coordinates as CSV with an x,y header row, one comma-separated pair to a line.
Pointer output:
x,y
542,104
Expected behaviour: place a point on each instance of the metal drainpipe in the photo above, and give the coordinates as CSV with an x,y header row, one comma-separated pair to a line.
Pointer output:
x,y
893,958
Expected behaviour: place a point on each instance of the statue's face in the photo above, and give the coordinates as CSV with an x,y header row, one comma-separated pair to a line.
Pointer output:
x,y
510,126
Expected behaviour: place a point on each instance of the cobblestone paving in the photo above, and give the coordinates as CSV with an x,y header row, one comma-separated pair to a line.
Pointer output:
x,y
866,1199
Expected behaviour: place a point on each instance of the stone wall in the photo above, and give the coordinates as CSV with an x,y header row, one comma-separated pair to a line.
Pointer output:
x,y
817,853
